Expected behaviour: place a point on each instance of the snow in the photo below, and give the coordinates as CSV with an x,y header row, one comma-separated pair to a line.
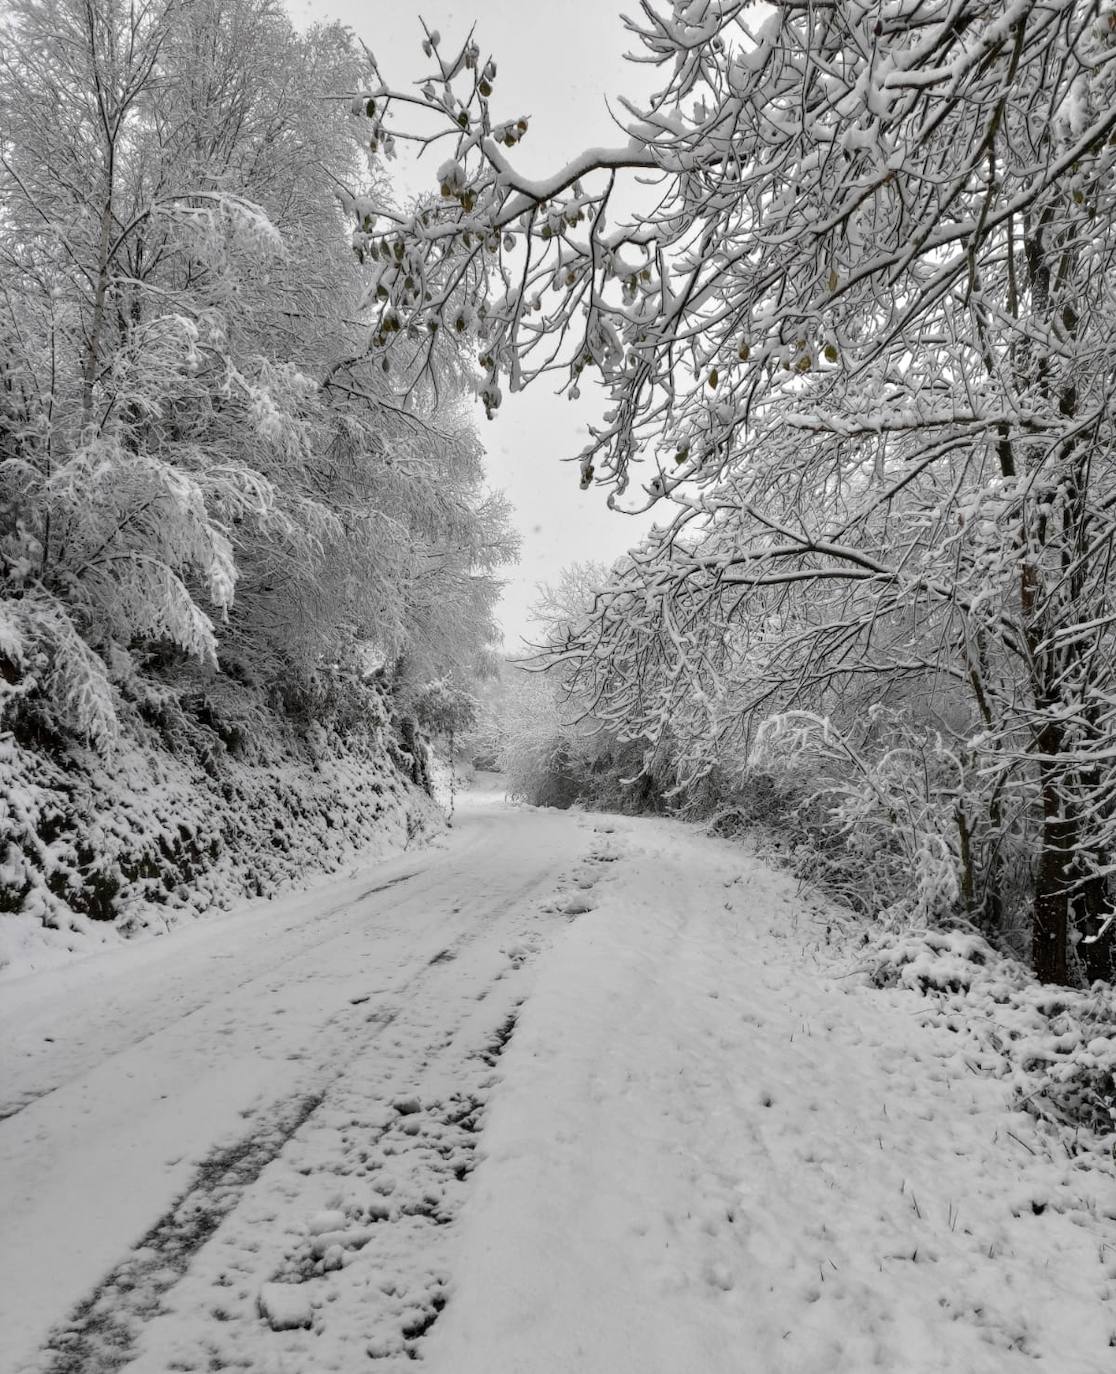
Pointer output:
x,y
712,1151
285,1306
199,841
565,1093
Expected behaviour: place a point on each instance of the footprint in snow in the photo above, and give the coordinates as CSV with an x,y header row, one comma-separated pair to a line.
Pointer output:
x,y
519,952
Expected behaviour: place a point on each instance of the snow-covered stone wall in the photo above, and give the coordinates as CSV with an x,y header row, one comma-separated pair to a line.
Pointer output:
x,y
187,815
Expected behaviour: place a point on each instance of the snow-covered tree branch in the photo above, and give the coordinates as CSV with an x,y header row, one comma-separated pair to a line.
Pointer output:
x,y
202,470
849,288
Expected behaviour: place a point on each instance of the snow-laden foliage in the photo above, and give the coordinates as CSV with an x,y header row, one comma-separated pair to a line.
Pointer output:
x,y
538,757
554,750
1057,1049
885,814
848,283
197,456
445,708
204,478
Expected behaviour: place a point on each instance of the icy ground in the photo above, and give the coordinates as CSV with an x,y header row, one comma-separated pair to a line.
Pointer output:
x,y
565,1093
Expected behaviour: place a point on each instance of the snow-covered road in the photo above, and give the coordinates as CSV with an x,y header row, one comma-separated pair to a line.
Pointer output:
x,y
703,1141
149,1086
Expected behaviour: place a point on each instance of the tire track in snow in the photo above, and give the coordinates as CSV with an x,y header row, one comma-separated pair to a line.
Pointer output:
x,y
392,1222
15,1106
102,1331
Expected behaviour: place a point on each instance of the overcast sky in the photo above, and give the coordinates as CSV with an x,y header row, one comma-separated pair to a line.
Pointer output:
x,y
556,62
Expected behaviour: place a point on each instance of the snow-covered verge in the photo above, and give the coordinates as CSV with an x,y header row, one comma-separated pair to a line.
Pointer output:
x,y
1056,1046
725,1139
190,811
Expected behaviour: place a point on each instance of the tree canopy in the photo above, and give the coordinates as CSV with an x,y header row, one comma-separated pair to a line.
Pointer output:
x,y
847,280
198,459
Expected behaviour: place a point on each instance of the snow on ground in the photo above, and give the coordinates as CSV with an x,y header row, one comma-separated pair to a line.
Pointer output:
x,y
567,1094
208,1094
712,1152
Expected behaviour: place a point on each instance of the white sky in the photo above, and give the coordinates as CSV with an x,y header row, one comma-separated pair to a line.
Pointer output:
x,y
556,62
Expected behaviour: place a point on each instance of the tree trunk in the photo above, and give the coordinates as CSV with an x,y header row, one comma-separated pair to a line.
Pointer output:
x,y
1090,907
100,291
1050,928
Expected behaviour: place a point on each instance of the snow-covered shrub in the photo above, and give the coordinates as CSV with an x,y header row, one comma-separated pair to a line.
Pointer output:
x,y
444,710
543,772
1057,1047
51,679
939,961
891,818
541,754
553,755
34,803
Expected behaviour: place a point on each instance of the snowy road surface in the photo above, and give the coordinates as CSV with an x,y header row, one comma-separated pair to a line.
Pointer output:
x,y
142,1076
702,1147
